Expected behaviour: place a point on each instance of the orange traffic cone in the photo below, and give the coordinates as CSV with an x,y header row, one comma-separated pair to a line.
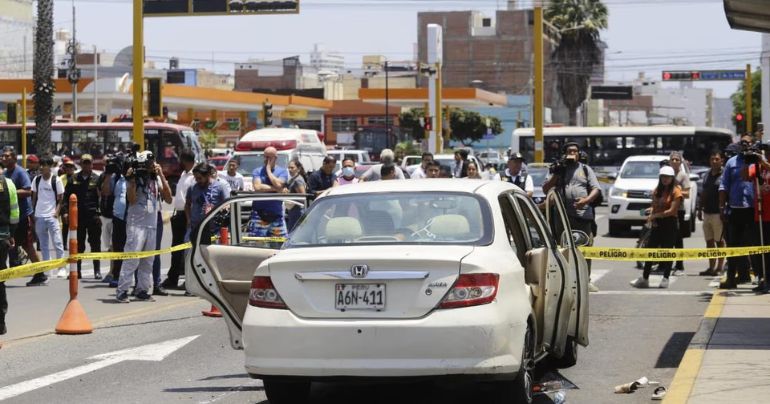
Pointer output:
x,y
74,319
214,312
224,238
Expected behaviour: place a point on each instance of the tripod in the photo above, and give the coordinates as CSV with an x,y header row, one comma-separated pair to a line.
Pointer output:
x,y
757,183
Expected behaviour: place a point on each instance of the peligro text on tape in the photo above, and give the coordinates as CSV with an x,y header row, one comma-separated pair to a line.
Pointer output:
x,y
660,255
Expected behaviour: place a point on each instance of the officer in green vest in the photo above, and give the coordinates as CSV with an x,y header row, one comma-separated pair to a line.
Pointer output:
x,y
9,218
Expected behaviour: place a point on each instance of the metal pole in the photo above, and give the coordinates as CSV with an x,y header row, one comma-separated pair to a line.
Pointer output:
x,y
439,123
749,108
96,84
74,67
538,118
387,104
24,127
138,50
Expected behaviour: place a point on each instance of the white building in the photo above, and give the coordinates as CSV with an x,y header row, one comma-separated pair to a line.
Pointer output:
x,y
17,31
682,105
324,60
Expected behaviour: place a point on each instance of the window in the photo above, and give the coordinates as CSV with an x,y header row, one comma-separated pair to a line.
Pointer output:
x,y
344,124
536,236
379,120
515,237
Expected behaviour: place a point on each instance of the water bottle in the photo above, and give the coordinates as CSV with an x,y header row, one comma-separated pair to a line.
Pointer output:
x,y
559,398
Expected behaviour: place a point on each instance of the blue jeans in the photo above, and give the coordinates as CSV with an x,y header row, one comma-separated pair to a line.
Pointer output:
x,y
46,227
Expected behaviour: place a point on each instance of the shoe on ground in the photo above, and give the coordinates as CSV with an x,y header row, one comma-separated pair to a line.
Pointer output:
x,y
38,282
709,272
123,297
728,285
743,280
678,272
158,291
143,296
188,294
169,284
63,273
640,283
107,279
113,283
592,288
133,291
663,283
97,275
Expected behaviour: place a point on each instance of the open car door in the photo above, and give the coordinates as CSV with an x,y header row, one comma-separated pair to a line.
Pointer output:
x,y
221,264
558,223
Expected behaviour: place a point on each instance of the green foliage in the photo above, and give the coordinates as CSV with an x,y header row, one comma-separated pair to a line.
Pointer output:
x,y
469,127
207,139
739,100
409,122
407,148
3,117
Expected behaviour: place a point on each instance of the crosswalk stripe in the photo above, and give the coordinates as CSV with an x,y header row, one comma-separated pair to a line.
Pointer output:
x,y
654,292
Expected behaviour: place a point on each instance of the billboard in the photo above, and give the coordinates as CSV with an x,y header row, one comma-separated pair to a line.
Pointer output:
x,y
167,8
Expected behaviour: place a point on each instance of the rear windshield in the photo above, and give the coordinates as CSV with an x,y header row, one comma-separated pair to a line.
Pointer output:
x,y
640,169
247,163
395,218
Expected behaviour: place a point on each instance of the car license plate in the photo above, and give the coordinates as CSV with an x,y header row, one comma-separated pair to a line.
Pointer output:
x,y
359,296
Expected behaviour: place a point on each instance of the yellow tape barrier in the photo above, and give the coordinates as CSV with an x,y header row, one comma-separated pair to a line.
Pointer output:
x,y
37,267
658,255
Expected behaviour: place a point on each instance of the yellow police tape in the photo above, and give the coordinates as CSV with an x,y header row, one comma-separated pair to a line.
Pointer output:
x,y
663,254
37,267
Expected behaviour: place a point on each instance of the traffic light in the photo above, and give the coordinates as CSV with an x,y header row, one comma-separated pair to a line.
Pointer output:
x,y
267,114
428,123
154,98
681,75
10,112
740,123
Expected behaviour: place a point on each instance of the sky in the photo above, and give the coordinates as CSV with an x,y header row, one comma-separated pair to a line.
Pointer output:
x,y
643,35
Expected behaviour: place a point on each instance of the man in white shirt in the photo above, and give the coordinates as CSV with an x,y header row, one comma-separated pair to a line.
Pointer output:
x,y
47,191
386,158
179,221
232,176
516,176
420,172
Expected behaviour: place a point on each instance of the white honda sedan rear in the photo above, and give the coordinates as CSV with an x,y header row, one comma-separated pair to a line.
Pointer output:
x,y
399,279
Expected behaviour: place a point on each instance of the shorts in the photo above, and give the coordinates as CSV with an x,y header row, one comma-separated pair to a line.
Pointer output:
x,y
712,227
262,228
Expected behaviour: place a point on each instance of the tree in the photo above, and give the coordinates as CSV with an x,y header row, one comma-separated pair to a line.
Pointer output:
x,y
409,122
469,127
578,50
739,100
42,68
208,139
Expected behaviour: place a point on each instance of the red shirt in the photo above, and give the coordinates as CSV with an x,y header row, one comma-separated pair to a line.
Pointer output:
x,y
765,188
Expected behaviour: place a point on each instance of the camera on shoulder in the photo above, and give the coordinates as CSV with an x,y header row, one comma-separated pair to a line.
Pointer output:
x,y
752,152
142,163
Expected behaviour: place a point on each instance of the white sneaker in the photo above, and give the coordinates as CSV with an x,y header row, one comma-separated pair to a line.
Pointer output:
x,y
63,273
640,283
663,283
592,288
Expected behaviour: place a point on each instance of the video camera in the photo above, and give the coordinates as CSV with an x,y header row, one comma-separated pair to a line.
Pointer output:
x,y
142,163
114,164
558,167
753,152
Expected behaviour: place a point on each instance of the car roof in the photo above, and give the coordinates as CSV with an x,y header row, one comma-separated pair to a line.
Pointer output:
x,y
489,188
651,157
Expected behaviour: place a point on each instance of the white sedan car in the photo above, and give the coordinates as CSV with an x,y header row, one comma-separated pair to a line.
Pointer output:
x,y
400,279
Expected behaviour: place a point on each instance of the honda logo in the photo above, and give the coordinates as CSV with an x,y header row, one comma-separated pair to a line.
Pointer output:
x,y
359,271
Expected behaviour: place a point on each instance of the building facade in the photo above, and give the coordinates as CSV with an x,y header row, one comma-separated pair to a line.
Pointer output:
x,y
17,32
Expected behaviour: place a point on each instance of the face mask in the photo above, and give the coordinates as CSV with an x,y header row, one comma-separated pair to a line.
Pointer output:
x,y
347,171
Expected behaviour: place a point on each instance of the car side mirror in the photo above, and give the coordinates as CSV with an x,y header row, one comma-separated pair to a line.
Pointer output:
x,y
694,177
580,238
612,176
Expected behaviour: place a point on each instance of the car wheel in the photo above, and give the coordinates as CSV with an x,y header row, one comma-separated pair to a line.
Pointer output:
x,y
569,359
283,392
520,389
616,229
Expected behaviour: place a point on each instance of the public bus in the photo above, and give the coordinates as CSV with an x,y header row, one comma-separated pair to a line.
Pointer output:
x,y
165,140
374,138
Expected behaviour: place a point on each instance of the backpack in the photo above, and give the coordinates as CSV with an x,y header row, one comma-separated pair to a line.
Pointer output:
x,y
599,199
53,186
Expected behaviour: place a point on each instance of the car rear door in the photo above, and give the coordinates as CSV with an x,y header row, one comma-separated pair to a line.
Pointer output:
x,y
221,265
558,223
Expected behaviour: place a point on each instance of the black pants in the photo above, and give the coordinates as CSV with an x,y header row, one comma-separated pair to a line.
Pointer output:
x,y
3,298
65,231
118,244
663,235
178,231
91,227
742,231
679,239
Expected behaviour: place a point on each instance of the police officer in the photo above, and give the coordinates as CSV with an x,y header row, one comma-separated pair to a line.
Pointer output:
x,y
9,218
516,175
85,185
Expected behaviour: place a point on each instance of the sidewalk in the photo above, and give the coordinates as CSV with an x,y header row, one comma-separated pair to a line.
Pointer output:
x,y
728,360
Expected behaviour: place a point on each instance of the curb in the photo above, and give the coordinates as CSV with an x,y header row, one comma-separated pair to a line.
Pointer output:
x,y
689,368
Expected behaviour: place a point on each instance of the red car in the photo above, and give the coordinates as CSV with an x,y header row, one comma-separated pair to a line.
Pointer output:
x,y
219,162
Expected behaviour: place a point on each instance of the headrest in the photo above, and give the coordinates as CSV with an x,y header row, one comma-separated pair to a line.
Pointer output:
x,y
450,227
343,229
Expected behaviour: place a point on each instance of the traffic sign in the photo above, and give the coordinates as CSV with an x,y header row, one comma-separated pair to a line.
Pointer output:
x,y
704,75
168,8
612,93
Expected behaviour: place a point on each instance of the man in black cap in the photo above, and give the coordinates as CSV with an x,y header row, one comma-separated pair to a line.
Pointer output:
x,y
516,176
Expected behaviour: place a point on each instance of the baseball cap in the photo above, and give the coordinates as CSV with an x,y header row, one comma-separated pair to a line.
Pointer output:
x,y
67,161
667,170
33,158
516,156
86,157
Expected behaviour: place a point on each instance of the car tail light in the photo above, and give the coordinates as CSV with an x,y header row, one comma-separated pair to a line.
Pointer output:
x,y
471,290
263,294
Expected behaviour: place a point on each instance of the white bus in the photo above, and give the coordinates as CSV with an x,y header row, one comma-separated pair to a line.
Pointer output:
x,y
608,147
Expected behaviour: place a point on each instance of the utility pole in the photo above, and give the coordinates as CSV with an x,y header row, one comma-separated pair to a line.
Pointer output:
x,y
387,103
538,101
435,58
73,74
137,114
96,85
749,107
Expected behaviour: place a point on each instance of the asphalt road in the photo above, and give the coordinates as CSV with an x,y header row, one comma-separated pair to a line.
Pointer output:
x,y
632,334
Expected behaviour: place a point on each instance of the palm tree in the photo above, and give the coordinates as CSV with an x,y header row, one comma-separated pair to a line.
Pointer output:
x,y
43,76
579,48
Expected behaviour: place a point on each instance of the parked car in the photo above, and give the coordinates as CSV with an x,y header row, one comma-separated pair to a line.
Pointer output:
x,y
219,162
539,173
399,280
359,156
447,162
631,194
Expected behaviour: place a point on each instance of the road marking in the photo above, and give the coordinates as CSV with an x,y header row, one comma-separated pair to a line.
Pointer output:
x,y
599,217
654,292
153,352
597,274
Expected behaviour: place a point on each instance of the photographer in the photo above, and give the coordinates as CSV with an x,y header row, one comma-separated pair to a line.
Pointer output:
x,y
737,194
759,174
579,188
146,188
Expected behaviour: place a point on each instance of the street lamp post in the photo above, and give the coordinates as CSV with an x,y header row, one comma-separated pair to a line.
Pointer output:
x,y
387,102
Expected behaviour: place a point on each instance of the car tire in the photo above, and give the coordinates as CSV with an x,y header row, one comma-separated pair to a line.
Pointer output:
x,y
287,392
519,390
570,357
616,229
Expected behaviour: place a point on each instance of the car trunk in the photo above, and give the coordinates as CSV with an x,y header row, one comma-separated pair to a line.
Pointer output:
x,y
399,283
